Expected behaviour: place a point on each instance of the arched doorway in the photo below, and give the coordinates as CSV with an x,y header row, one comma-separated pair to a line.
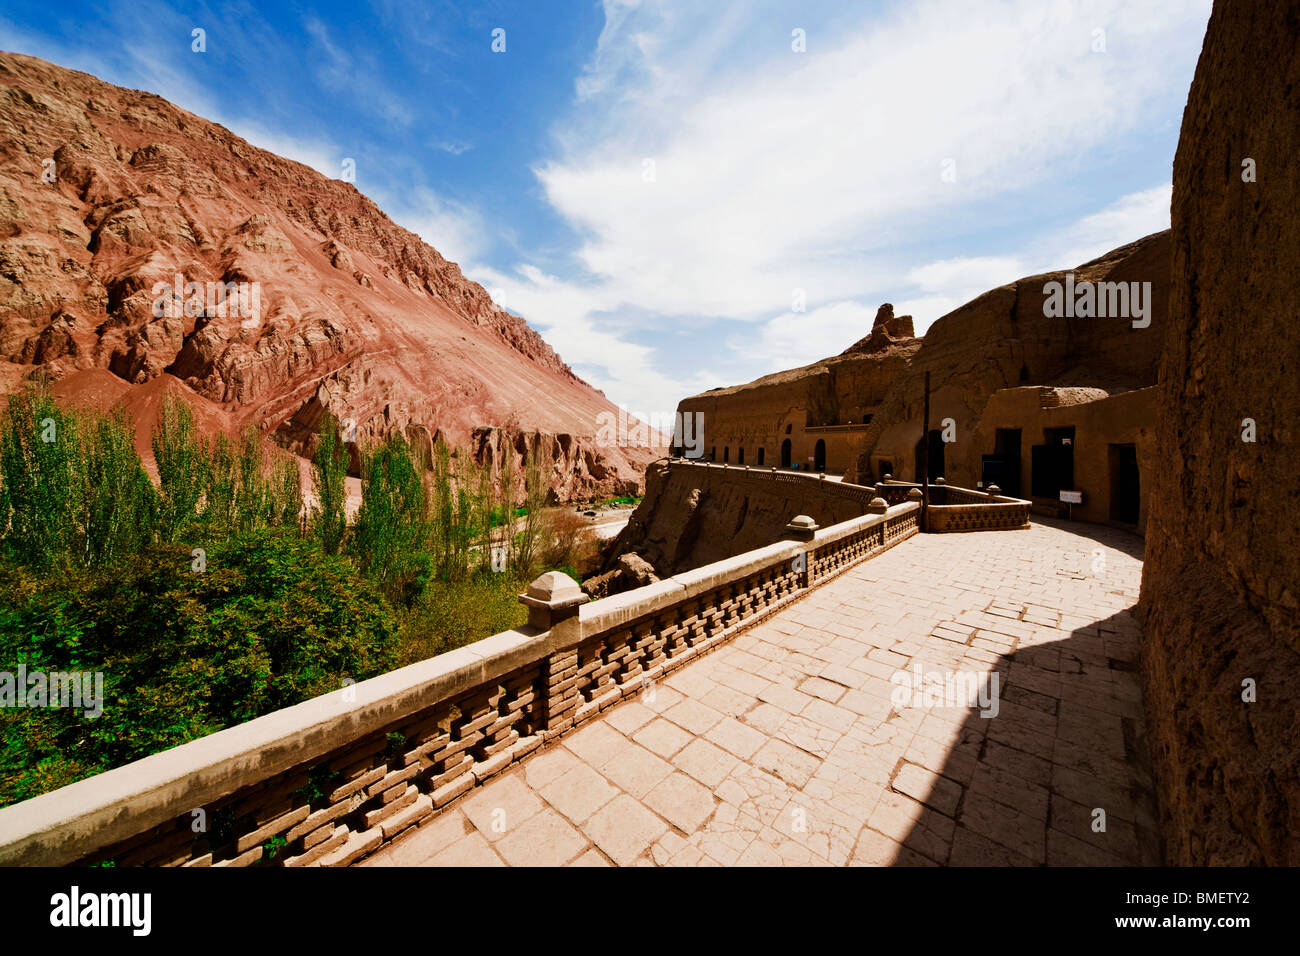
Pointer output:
x,y
785,453
819,455
760,456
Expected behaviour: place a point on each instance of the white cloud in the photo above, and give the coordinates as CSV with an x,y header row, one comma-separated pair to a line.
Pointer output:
x,y
320,156
937,288
803,170
783,171
456,230
573,319
800,338
1132,217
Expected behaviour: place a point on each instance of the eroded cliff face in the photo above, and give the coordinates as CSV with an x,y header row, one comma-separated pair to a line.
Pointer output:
x,y
1004,339
107,195
1221,581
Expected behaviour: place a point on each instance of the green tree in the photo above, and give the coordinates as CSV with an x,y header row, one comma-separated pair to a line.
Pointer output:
x,y
284,504
41,467
220,488
119,507
182,460
253,493
330,469
391,527
536,489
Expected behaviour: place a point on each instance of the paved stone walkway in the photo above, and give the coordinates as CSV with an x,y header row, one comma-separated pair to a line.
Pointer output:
x,y
783,747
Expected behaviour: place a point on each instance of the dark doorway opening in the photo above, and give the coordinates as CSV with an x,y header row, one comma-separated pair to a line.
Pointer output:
x,y
760,456
726,453
883,468
740,458
935,465
1006,449
785,453
1125,484
819,455
1052,464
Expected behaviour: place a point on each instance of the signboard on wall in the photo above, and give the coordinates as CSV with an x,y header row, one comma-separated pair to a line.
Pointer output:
x,y
1072,497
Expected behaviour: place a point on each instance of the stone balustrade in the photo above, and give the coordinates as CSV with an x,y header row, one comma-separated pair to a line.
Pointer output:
x,y
330,780
952,508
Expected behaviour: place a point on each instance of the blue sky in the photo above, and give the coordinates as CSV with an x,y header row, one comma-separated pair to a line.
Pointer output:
x,y
656,185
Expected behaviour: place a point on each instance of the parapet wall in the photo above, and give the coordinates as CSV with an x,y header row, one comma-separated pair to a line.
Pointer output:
x,y
697,512
332,779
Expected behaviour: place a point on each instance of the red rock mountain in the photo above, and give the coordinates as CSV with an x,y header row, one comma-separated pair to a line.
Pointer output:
x,y
106,192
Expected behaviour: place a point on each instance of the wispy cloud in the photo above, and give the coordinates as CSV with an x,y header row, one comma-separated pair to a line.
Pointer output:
x,y
710,183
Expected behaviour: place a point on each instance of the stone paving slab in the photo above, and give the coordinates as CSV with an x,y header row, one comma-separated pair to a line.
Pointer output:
x,y
795,744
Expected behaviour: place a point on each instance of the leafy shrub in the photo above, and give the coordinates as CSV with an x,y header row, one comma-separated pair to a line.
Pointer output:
x,y
391,525
182,459
41,468
330,468
272,621
457,613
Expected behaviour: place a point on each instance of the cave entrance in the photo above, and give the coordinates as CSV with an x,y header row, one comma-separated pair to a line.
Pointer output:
x,y
935,469
1052,464
819,455
785,453
1125,484
1002,468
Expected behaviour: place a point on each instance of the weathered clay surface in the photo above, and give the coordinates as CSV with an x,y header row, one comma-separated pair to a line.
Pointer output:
x,y
759,416
359,317
1002,339
695,516
1222,574
886,330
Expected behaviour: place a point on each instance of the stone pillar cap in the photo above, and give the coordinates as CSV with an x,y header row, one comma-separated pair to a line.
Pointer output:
x,y
802,523
939,480
554,590
993,490
878,504
915,493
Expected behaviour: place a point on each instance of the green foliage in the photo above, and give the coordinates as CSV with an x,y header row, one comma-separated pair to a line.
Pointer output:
x,y
182,459
272,622
96,575
536,488
253,490
330,469
460,516
75,492
284,508
219,489
119,505
41,467
391,525
461,612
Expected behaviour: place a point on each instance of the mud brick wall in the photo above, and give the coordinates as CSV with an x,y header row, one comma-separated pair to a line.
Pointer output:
x,y
1221,583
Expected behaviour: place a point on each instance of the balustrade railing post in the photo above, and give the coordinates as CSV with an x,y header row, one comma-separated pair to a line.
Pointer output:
x,y
802,528
554,601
